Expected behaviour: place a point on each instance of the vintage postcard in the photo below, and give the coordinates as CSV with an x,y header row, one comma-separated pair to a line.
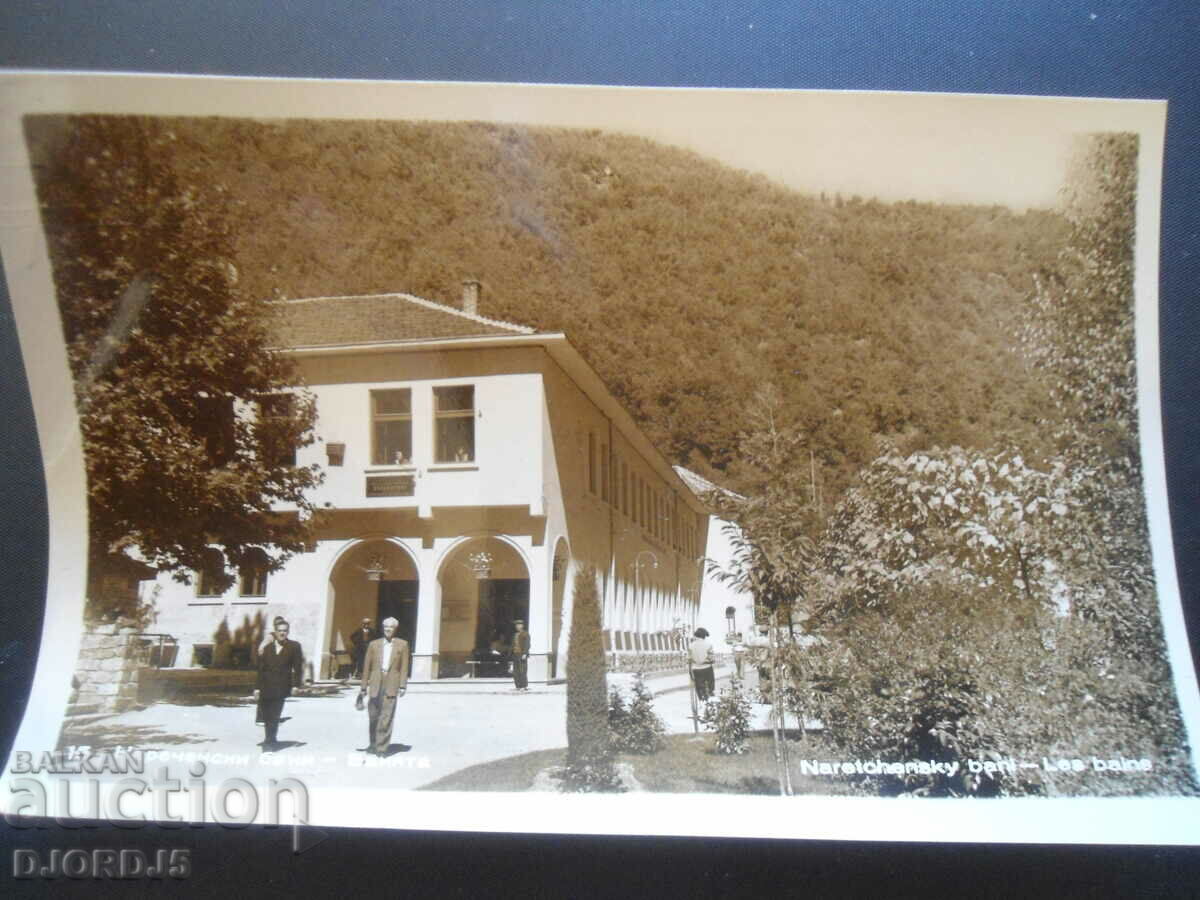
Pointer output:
x,y
711,462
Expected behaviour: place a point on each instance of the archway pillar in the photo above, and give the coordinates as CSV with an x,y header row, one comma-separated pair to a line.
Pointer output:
x,y
541,602
429,614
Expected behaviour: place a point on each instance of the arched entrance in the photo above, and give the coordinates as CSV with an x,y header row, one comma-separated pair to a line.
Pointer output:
x,y
485,588
375,580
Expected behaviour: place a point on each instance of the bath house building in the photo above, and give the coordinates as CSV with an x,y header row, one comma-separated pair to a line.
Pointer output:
x,y
471,467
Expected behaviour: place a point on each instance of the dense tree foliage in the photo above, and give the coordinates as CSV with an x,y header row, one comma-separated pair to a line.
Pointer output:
x,y
188,422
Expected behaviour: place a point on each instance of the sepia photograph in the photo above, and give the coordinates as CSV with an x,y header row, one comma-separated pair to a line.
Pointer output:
x,y
658,446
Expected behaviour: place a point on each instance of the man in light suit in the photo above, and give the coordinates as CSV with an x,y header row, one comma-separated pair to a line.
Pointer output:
x,y
385,678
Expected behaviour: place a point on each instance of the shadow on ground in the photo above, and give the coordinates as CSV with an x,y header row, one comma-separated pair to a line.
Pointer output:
x,y
99,736
208,700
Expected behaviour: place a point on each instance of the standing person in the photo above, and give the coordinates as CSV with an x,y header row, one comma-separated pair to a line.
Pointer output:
x,y
280,668
759,647
358,644
520,657
385,678
739,654
703,658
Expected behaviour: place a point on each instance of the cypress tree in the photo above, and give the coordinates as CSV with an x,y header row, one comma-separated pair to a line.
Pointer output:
x,y
589,758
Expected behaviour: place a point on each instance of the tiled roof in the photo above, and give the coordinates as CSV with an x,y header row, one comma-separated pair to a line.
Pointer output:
x,y
700,486
377,318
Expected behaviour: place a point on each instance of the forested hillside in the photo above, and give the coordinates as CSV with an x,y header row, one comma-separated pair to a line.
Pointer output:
x,y
686,284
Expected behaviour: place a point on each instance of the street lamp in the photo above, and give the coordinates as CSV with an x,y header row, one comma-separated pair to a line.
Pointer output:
x,y
681,629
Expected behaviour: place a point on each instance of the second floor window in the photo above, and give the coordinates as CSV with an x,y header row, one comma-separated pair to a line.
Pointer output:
x,y
274,430
391,424
212,569
214,421
253,580
454,424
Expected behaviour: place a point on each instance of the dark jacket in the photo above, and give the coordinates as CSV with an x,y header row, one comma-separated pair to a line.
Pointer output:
x,y
279,672
521,642
360,638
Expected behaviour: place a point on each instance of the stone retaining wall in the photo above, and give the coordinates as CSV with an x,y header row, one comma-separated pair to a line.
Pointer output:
x,y
106,675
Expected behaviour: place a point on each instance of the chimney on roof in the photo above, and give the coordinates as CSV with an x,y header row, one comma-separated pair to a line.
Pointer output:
x,y
470,296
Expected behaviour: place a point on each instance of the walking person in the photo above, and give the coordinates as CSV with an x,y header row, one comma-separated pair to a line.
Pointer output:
x,y
385,678
520,657
703,659
280,668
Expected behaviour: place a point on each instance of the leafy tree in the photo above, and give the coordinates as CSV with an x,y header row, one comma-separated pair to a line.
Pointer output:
x,y
977,518
772,557
770,527
189,422
1081,334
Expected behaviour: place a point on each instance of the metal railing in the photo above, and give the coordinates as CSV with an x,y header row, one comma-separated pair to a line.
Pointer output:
x,y
155,650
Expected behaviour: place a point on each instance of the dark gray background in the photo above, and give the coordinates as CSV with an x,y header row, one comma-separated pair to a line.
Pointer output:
x,y
1101,49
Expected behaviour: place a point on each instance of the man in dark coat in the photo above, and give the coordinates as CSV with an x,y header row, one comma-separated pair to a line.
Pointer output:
x,y
358,643
280,668
385,678
520,656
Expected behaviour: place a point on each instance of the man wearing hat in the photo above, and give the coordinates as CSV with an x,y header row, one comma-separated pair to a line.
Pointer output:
x,y
359,641
520,656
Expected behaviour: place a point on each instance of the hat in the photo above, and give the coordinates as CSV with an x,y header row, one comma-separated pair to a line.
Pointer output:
x,y
366,621
518,621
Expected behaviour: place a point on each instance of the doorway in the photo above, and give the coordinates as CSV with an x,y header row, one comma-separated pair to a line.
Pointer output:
x,y
501,601
398,600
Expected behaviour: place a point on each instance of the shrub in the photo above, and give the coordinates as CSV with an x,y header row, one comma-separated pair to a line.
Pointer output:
x,y
636,727
729,716
952,675
591,774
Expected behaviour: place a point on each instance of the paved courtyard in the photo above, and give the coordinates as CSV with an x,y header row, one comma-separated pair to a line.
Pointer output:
x,y
440,729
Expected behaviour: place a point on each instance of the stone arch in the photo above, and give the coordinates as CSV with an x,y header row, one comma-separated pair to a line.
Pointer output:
x,y
373,576
484,584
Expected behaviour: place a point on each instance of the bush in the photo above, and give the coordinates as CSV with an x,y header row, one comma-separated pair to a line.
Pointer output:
x,y
729,716
594,773
952,676
635,728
